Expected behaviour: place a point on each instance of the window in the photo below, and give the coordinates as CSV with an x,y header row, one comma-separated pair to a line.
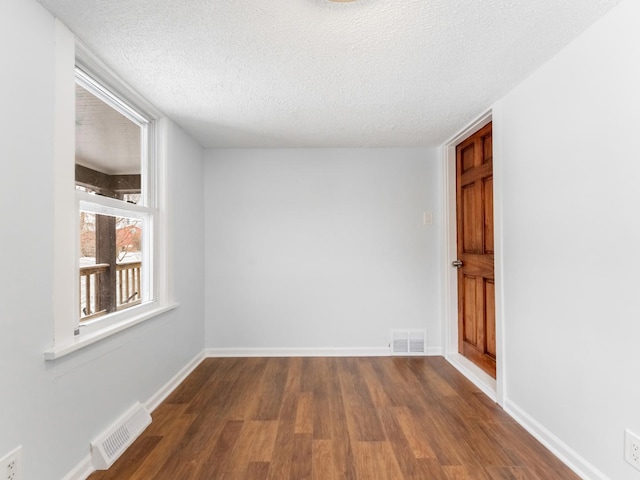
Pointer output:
x,y
113,148
109,231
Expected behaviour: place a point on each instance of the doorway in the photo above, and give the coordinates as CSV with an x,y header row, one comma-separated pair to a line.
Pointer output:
x,y
488,377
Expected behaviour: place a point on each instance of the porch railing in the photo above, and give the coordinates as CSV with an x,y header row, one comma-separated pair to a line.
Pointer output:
x,y
128,283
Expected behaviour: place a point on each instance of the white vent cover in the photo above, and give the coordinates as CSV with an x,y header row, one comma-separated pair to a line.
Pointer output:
x,y
116,439
408,342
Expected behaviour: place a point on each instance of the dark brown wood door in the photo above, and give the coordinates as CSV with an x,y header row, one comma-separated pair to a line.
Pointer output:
x,y
476,290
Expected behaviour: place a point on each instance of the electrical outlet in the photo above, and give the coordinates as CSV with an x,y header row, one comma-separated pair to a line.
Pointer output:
x,y
11,465
632,448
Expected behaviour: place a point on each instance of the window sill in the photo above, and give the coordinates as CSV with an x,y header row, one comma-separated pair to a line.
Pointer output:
x,y
82,341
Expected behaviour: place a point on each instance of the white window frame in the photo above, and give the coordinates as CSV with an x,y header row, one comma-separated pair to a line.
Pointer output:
x,y
68,202
145,211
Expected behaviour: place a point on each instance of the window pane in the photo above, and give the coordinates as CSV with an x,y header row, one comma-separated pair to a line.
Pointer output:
x,y
108,149
90,274
110,263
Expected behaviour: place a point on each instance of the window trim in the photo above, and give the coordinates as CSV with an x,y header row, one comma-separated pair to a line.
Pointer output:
x,y
69,54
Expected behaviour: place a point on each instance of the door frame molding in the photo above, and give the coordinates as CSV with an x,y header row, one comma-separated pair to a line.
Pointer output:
x,y
494,388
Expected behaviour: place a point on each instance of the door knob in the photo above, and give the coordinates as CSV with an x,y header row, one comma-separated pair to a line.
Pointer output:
x,y
457,263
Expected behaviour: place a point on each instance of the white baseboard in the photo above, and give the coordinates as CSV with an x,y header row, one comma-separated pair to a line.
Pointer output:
x,y
308,352
475,375
434,352
82,470
297,352
171,385
567,455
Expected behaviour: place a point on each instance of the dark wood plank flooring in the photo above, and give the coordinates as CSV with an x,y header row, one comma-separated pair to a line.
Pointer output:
x,y
332,419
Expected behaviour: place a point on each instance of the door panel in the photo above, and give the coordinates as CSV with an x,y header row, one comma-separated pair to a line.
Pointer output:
x,y
468,157
490,306
476,289
487,146
471,236
487,190
469,312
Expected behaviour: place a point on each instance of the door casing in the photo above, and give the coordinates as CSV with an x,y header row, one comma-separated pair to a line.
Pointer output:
x,y
494,388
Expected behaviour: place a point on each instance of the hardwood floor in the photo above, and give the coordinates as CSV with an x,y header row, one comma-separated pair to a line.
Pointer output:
x,y
332,418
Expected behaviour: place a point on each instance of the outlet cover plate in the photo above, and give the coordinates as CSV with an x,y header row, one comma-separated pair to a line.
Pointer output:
x,y
11,465
632,448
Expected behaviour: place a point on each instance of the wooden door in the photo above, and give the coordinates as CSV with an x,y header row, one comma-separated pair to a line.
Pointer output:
x,y
476,291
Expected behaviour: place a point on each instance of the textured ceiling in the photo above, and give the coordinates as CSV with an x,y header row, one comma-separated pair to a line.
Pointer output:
x,y
313,73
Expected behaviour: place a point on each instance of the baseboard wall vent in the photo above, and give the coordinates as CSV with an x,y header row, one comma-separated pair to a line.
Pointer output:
x,y
408,342
106,449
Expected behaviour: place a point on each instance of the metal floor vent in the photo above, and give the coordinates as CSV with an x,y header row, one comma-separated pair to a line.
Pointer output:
x,y
116,439
408,342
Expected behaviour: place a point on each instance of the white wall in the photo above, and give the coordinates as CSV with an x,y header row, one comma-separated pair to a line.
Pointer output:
x,y
53,409
320,248
566,139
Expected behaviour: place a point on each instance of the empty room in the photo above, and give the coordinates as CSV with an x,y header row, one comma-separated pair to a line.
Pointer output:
x,y
319,239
